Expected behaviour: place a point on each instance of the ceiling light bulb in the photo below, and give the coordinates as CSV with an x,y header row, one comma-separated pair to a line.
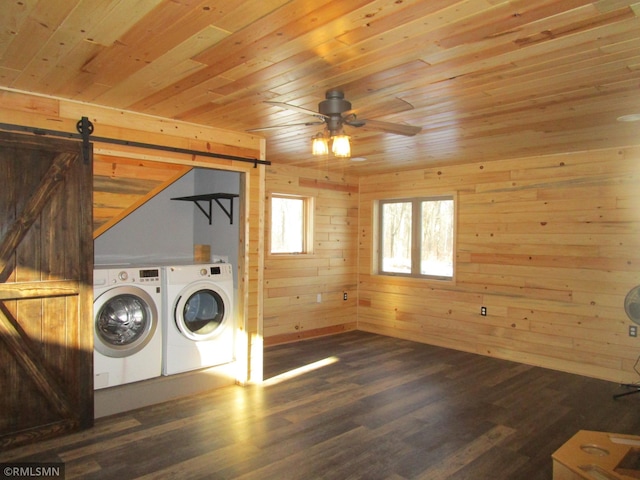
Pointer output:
x,y
341,146
319,144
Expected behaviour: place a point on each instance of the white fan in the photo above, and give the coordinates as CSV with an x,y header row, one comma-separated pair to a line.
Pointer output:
x,y
632,308
632,304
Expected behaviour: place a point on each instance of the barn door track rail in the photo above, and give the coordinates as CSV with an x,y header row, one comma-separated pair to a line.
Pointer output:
x,y
85,133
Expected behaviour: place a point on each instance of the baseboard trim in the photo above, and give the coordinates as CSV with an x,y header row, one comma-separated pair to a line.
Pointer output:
x,y
308,334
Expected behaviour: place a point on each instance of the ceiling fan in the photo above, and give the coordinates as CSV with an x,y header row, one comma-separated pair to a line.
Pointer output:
x,y
335,112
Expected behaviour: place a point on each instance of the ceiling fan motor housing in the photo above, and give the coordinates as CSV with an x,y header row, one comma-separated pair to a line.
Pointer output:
x,y
333,106
334,103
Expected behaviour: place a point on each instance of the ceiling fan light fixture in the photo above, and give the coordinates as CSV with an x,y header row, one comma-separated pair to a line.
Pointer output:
x,y
335,112
341,146
319,144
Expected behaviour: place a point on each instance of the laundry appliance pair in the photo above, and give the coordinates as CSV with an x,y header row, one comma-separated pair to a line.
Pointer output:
x,y
161,320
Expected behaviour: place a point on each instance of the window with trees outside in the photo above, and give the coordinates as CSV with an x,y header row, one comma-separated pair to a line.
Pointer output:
x,y
290,224
416,237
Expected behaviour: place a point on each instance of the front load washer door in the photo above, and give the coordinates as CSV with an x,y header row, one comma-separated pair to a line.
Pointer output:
x,y
125,319
201,311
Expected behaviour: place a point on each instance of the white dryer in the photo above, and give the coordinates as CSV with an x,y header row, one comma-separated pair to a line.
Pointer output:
x,y
127,312
199,320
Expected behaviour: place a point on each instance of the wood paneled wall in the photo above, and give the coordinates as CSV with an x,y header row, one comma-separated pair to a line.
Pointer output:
x,y
20,108
550,245
293,282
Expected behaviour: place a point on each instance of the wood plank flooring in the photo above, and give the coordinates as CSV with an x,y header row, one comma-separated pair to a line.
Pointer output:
x,y
371,407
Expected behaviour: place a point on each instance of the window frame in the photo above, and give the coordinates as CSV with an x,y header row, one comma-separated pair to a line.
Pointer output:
x,y
307,223
416,235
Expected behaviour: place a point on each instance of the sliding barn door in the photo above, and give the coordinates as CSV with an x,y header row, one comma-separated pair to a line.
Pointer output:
x,y
46,266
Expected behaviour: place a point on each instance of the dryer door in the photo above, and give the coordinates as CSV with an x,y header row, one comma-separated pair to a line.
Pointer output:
x,y
201,311
125,319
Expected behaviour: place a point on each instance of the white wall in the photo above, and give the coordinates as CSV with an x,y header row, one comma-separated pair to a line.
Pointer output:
x,y
158,230
222,235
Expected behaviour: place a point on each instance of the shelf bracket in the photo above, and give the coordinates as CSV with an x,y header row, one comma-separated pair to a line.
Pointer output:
x,y
208,199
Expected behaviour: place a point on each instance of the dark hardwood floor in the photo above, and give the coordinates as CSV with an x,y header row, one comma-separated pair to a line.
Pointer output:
x,y
373,408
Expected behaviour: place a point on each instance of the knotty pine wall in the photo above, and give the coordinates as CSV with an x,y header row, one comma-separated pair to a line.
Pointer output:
x,y
293,282
550,245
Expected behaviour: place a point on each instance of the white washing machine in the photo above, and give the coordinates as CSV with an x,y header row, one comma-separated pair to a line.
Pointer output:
x,y
199,321
127,313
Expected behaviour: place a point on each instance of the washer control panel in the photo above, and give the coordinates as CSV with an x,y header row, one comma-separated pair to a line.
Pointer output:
x,y
184,274
143,276
221,270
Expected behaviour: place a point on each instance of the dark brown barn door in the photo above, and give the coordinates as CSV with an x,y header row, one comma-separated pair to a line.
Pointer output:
x,y
46,292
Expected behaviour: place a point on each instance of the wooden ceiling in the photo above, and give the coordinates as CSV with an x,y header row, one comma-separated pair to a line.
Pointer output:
x,y
485,79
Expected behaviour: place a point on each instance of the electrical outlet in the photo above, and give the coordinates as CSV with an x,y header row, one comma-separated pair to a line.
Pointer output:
x,y
344,296
483,311
319,298
633,331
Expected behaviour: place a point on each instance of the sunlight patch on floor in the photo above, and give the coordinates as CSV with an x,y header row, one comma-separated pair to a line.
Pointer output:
x,y
296,372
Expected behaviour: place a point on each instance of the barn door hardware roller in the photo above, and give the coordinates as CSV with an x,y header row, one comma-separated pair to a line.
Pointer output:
x,y
212,197
85,128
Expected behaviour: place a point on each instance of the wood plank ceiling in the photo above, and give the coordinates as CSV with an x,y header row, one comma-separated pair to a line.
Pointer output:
x,y
485,79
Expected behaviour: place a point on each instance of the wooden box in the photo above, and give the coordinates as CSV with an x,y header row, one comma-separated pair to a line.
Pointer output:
x,y
598,455
202,253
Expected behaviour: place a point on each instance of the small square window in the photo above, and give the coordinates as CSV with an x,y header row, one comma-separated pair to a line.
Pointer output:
x,y
290,221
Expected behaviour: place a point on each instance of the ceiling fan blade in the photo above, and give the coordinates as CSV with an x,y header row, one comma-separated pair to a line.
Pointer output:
x,y
296,109
276,127
396,128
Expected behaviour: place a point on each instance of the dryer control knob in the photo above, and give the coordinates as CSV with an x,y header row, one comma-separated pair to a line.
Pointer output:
x,y
123,276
